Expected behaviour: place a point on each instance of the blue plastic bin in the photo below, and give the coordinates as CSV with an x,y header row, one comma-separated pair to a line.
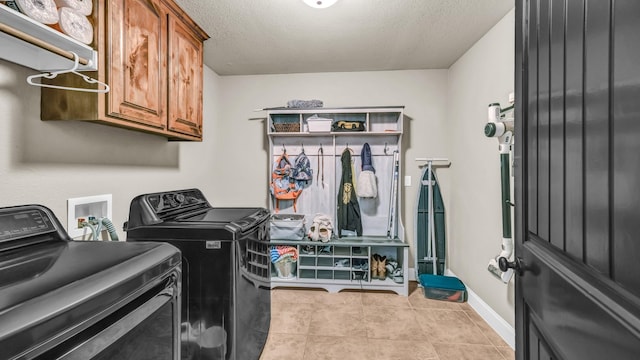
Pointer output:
x,y
439,287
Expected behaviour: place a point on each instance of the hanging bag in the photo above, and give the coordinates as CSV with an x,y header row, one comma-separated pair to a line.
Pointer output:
x,y
302,171
283,185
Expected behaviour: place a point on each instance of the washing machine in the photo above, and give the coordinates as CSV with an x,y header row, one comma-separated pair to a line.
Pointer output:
x,y
226,300
65,299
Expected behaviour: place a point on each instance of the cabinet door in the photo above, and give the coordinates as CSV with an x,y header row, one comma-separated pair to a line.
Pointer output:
x,y
185,79
136,62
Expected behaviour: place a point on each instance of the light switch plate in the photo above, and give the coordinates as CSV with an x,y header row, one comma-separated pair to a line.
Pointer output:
x,y
407,180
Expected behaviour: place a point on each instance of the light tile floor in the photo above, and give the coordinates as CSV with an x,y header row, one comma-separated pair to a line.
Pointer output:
x,y
310,324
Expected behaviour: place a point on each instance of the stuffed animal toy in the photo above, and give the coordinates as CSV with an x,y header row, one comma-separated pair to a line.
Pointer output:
x,y
321,228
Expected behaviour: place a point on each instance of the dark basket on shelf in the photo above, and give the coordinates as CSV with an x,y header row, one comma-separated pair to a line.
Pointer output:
x,y
286,122
287,127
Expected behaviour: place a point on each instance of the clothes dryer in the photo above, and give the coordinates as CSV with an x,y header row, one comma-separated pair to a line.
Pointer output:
x,y
226,301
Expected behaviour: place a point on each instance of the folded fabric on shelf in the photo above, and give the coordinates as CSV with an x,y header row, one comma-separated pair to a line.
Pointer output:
x,y
280,252
304,104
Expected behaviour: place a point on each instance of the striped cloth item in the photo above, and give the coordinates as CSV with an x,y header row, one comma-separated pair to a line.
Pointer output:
x,y
281,252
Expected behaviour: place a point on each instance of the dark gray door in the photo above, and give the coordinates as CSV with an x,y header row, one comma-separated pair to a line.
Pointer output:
x,y
578,179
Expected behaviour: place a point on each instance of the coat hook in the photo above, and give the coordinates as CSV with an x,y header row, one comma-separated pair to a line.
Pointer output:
x,y
347,148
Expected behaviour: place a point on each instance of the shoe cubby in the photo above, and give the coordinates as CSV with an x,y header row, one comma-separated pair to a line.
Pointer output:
x,y
346,264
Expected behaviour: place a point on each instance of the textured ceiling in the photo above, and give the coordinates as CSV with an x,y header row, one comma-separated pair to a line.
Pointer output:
x,y
250,37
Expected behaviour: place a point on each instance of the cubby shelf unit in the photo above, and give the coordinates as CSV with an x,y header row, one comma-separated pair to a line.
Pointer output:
x,y
379,126
344,264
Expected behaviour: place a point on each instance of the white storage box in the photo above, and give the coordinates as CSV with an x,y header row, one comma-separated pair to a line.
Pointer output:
x,y
318,124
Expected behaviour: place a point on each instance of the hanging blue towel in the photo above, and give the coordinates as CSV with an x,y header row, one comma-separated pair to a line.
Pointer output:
x,y
367,186
365,156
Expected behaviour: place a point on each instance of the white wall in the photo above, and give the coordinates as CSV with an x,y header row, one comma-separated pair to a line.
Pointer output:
x,y
49,162
483,75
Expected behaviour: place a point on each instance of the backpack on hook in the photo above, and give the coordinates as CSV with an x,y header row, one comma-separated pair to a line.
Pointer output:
x,y
302,171
283,184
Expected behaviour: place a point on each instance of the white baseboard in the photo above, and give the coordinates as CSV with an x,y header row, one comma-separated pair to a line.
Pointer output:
x,y
497,323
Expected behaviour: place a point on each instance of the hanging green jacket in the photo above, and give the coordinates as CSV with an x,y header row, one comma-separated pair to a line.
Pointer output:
x,y
348,208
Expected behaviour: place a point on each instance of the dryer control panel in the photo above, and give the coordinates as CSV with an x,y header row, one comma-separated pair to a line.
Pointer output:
x,y
155,208
176,200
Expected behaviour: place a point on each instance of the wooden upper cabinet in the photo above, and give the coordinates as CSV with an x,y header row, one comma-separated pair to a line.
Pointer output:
x,y
137,67
185,77
150,54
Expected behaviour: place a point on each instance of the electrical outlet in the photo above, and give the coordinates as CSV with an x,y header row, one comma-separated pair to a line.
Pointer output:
x,y
83,208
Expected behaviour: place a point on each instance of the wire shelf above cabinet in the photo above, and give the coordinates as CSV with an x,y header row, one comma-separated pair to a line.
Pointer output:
x,y
29,43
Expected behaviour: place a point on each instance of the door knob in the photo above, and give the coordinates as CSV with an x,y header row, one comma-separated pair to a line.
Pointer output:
x,y
517,265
